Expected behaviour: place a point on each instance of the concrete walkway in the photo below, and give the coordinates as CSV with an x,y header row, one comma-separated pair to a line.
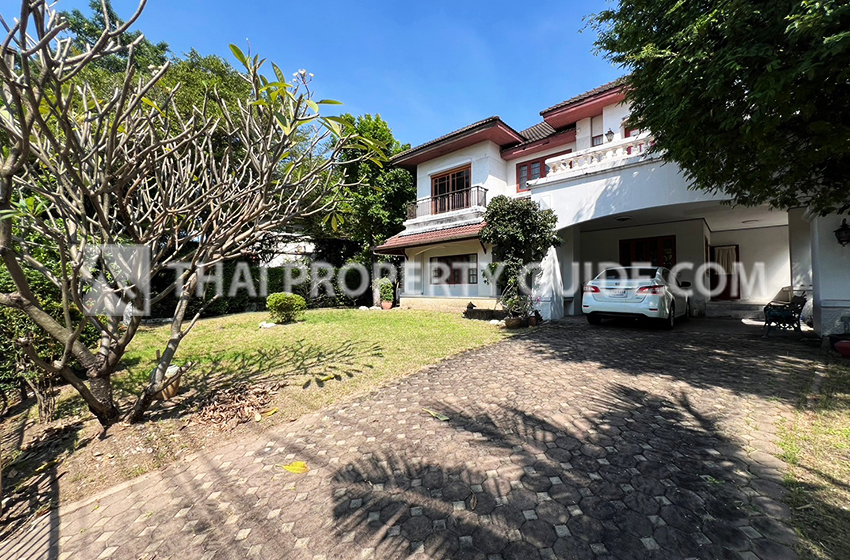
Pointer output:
x,y
567,442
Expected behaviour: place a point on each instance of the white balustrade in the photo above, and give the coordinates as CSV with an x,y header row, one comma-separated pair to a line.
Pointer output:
x,y
597,158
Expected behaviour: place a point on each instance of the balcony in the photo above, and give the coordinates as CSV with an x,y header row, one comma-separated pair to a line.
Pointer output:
x,y
472,197
597,159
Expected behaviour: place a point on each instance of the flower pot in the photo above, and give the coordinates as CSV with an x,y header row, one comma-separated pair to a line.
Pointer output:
x,y
843,348
386,305
532,321
514,322
836,338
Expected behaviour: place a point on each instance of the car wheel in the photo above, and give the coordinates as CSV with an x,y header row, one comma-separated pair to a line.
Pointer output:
x,y
670,321
594,319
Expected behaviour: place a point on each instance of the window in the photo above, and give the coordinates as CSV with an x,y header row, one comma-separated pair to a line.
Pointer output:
x,y
450,190
657,251
597,131
631,132
533,169
454,269
450,181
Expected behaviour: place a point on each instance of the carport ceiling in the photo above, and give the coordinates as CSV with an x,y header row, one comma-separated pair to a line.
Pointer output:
x,y
718,217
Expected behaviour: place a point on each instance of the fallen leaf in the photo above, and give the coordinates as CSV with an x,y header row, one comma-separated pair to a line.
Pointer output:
x,y
326,378
437,415
297,467
270,412
257,416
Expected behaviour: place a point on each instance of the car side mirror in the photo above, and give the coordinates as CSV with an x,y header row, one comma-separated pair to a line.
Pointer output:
x,y
685,284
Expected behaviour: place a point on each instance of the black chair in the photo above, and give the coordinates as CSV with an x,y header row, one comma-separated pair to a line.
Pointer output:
x,y
784,315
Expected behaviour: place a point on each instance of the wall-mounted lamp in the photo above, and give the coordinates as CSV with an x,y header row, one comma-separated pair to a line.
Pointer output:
x,y
609,135
842,234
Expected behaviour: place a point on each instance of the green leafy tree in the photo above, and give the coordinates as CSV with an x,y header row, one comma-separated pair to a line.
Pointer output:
x,y
373,208
521,234
197,76
749,97
87,30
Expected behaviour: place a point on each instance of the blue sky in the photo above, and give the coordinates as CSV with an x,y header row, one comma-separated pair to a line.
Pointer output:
x,y
427,67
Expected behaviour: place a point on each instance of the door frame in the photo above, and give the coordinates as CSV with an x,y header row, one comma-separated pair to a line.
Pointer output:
x,y
734,281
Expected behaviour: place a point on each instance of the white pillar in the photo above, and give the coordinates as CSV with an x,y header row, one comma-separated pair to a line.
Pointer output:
x,y
830,276
569,255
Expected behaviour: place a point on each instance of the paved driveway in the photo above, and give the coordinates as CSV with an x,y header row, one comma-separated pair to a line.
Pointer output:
x,y
567,442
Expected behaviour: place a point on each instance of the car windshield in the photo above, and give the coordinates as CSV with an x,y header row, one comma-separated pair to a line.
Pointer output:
x,y
623,273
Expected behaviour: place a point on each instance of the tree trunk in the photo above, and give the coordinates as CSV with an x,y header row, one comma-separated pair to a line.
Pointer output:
x,y
157,377
42,387
376,287
142,404
22,388
101,390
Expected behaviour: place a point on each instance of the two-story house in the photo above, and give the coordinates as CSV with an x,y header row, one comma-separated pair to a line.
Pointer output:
x,y
616,203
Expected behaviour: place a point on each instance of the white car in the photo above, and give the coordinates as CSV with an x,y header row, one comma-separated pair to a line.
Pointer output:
x,y
637,292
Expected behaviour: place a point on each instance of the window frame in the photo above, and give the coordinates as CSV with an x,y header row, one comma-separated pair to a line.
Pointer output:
x,y
448,173
631,246
543,168
470,278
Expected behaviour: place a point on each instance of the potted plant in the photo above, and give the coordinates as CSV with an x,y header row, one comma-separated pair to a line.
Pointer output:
x,y
385,286
518,307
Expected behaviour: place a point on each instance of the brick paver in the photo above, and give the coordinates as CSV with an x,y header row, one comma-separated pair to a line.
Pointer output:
x,y
569,442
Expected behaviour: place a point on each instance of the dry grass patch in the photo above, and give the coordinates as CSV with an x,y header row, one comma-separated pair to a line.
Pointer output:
x,y
816,445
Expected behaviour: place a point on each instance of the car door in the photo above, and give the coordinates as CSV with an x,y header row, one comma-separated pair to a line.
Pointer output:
x,y
672,284
679,294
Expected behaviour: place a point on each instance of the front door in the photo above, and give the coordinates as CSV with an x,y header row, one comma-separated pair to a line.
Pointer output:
x,y
725,257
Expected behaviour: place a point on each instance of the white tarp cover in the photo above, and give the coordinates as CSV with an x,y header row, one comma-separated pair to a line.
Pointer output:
x,y
548,290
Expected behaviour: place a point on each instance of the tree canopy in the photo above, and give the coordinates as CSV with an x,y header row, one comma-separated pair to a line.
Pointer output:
x,y
374,207
521,234
749,97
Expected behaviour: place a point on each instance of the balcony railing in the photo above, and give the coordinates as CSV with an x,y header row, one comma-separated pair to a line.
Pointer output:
x,y
440,204
600,157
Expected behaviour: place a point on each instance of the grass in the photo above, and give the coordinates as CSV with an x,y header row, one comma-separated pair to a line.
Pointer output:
x,y
330,355
329,346
339,351
816,445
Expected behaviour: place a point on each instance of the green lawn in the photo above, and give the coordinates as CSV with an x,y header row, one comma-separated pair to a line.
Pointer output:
x,y
336,351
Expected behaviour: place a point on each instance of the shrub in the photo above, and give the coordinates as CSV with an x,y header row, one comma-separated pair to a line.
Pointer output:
x,y
285,307
386,288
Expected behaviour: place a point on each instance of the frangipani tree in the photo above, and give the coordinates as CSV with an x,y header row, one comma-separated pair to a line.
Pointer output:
x,y
97,173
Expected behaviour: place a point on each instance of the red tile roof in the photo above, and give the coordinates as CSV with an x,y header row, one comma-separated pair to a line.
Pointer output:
x,y
492,128
582,96
537,132
396,244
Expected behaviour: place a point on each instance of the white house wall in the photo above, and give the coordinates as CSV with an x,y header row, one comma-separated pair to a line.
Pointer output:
x,y
618,191
511,165
800,242
417,280
488,168
612,119
768,246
